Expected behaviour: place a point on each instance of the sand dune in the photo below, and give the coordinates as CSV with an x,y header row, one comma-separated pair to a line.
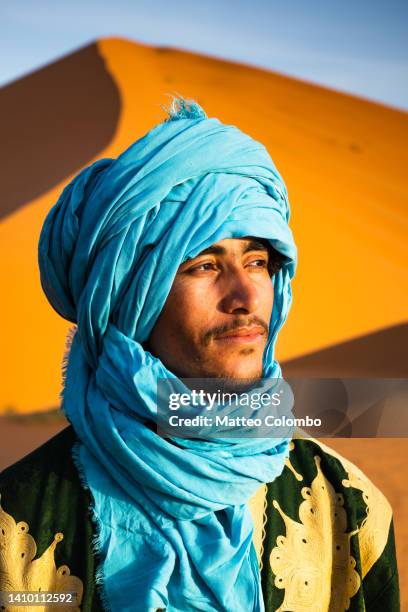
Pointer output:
x,y
343,159
382,354
55,124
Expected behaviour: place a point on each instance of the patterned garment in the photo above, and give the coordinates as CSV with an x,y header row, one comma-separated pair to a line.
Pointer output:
x,y
324,533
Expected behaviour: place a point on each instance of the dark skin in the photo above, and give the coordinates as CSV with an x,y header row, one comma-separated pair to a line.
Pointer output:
x,y
216,317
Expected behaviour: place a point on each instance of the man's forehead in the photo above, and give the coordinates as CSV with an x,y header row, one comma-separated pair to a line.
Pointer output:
x,y
246,243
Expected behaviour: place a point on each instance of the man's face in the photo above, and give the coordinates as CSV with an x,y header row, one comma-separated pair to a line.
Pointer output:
x,y
215,320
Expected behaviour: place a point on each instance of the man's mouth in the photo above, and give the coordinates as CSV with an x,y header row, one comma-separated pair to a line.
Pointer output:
x,y
244,335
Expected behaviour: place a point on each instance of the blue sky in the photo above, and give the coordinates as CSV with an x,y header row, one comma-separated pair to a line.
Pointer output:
x,y
357,46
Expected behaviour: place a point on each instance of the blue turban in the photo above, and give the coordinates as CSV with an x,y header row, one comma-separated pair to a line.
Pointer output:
x,y
173,526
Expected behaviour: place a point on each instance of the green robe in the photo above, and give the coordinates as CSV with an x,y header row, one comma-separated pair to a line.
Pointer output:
x,y
324,533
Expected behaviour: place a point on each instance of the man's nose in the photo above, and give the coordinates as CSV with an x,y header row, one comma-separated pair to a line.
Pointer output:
x,y
240,295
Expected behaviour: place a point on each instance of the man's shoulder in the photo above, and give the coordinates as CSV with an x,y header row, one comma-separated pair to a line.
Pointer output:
x,y
308,452
312,462
44,508
317,481
327,526
43,491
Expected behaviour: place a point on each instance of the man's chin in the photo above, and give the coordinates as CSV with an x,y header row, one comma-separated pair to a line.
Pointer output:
x,y
241,371
236,378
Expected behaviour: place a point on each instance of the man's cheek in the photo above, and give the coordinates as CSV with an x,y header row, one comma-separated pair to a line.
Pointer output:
x,y
267,300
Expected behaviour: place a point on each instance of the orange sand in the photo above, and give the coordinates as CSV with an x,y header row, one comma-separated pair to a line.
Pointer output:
x,y
344,161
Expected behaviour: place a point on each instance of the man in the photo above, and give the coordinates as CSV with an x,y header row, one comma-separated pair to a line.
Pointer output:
x,y
175,261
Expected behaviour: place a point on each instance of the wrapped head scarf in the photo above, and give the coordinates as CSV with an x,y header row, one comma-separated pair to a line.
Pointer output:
x,y
173,527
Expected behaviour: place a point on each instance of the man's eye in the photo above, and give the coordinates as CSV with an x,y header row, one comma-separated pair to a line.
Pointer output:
x,y
204,266
259,263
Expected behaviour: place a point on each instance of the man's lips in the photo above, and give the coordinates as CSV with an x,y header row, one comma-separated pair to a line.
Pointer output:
x,y
242,335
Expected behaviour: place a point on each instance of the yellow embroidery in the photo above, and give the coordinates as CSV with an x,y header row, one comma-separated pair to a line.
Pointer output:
x,y
257,507
312,562
19,572
290,466
373,533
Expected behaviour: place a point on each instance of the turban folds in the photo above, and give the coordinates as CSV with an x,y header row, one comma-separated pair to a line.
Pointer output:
x,y
108,253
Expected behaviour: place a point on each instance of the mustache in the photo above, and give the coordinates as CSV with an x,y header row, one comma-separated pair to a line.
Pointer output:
x,y
227,327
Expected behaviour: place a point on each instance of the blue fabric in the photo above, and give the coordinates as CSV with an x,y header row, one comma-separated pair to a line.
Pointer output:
x,y
174,529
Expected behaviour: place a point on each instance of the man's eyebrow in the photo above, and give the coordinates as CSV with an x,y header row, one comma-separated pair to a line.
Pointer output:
x,y
253,245
212,250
